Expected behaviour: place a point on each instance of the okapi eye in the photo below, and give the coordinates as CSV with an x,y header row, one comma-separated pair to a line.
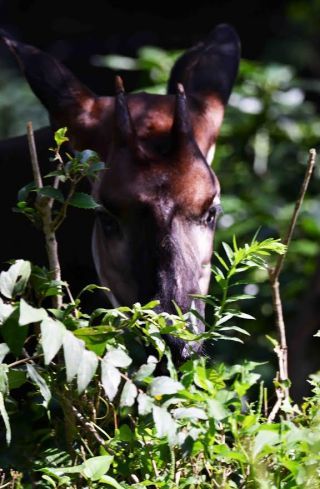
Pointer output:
x,y
212,214
108,221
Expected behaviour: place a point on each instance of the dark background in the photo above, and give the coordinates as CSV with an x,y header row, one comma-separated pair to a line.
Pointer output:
x,y
74,31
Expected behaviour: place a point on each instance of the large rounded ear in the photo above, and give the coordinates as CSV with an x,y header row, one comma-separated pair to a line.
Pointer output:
x,y
62,94
208,72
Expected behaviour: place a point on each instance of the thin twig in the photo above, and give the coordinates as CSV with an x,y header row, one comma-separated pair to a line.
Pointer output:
x,y
43,205
89,428
297,208
281,350
25,360
34,157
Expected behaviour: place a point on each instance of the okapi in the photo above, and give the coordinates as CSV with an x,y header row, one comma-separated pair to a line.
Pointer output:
x,y
159,199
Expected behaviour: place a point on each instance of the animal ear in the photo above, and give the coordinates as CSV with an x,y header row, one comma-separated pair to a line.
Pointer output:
x,y
62,94
208,72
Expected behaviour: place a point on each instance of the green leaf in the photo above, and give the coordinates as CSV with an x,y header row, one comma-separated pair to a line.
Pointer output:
x,y
265,438
87,369
228,252
110,378
164,385
13,334
124,433
217,410
73,349
5,418
96,467
14,280
128,395
110,481
60,136
25,191
16,378
52,193
52,332
118,358
29,314
34,375
84,201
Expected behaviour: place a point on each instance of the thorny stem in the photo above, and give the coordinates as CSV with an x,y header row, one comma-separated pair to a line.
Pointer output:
x,y
282,350
43,205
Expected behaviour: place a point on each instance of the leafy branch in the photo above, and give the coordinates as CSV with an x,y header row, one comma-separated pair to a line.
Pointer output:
x,y
50,206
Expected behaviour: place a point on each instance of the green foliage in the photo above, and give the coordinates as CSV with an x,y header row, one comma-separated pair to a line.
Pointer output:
x,y
104,404
108,418
68,174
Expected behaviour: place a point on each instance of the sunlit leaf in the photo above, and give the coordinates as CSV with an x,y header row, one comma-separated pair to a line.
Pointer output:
x,y
5,418
14,280
165,424
145,404
129,393
73,349
96,467
118,358
164,385
87,369
52,332
190,413
110,378
29,314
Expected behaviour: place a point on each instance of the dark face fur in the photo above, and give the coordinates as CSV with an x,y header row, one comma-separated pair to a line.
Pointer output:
x,y
158,197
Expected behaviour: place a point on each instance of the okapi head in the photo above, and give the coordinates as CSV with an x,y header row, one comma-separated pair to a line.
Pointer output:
x,y
158,197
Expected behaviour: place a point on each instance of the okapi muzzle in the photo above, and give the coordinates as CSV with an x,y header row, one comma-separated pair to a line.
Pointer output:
x,y
158,197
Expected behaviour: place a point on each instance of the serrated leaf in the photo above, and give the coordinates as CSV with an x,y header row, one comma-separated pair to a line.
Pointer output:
x,y
34,375
110,378
96,467
118,358
128,395
83,201
5,418
14,280
52,332
189,413
73,349
145,404
164,385
29,314
165,424
87,369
